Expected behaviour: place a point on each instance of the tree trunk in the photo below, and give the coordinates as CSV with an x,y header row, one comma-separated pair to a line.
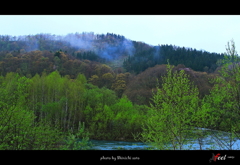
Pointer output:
x,y
74,116
69,118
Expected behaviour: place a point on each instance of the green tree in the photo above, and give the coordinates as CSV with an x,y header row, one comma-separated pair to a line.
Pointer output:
x,y
77,141
94,80
224,99
168,122
18,130
119,84
107,79
75,101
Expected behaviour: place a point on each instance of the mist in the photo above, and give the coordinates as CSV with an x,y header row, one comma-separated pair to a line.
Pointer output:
x,y
31,44
102,46
107,46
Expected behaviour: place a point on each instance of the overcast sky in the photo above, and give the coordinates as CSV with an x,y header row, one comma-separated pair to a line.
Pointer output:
x,y
207,32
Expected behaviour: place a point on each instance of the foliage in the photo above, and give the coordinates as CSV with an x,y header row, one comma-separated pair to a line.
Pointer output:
x,y
139,89
18,129
168,121
119,84
223,101
72,140
191,58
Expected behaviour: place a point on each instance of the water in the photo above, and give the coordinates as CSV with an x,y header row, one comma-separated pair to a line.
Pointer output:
x,y
117,145
216,140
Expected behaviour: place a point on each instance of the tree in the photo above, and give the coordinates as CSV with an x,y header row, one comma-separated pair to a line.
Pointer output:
x,y
94,80
76,93
72,141
107,79
169,117
126,118
18,131
224,99
139,88
120,84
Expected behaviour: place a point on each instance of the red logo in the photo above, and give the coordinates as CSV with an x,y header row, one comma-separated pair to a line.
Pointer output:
x,y
217,157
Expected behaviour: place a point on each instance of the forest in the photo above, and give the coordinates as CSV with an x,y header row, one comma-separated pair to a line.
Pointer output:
x,y
57,89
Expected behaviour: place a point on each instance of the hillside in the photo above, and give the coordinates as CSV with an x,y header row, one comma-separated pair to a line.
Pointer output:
x,y
107,60
191,58
110,48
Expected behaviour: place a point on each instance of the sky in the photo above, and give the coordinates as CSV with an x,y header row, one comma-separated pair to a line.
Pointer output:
x,y
202,32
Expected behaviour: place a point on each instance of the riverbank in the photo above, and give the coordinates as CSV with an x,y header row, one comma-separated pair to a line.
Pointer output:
x,y
209,140
204,140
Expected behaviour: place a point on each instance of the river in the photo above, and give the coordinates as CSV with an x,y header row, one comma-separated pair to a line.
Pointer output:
x,y
212,139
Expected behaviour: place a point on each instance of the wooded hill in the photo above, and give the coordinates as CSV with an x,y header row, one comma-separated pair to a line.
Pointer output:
x,y
107,60
102,48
